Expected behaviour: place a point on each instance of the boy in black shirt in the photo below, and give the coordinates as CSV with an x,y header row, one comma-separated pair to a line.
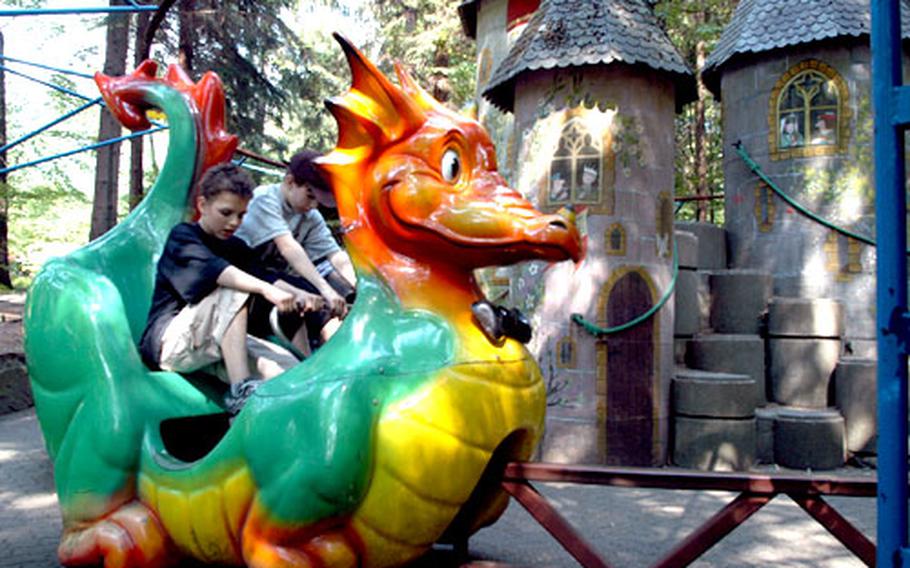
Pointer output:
x,y
205,276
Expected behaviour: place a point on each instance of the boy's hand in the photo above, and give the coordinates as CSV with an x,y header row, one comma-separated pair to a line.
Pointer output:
x,y
284,301
336,303
307,302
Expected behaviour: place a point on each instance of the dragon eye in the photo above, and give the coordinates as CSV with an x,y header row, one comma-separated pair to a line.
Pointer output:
x,y
451,165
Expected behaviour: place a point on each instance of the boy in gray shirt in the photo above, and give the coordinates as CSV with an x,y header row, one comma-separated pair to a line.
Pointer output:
x,y
288,231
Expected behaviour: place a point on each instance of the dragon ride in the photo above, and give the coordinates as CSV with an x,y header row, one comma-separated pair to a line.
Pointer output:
x,y
366,453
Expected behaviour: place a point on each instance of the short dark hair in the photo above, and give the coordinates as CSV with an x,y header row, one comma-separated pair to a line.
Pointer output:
x,y
303,169
227,177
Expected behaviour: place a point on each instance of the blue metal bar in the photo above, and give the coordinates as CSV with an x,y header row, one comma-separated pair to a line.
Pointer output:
x,y
70,11
54,122
57,69
83,149
45,83
902,105
891,283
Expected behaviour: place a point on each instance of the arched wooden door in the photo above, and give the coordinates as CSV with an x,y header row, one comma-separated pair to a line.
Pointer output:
x,y
630,375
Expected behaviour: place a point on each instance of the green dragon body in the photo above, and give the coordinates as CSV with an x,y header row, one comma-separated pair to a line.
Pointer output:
x,y
364,454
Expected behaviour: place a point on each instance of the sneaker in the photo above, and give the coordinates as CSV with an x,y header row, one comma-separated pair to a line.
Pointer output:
x,y
238,394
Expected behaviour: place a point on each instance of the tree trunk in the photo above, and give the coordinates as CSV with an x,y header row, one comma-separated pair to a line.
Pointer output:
x,y
701,154
107,164
137,189
4,188
186,10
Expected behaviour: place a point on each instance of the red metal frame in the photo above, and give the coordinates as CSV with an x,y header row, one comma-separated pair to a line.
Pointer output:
x,y
755,491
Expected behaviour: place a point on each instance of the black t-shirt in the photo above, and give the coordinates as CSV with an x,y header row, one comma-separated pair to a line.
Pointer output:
x,y
187,272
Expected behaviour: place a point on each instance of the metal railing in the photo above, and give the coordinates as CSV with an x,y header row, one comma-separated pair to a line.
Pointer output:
x,y
754,491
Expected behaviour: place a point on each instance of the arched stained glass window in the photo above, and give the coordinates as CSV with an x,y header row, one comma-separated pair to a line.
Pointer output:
x,y
576,171
808,114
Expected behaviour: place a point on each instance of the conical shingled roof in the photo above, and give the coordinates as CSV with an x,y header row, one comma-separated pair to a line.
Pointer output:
x,y
569,33
763,25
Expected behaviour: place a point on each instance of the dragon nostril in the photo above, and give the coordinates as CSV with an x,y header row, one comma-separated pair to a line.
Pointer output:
x,y
559,224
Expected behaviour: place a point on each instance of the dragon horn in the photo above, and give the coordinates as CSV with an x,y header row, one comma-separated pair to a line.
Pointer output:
x,y
374,98
415,91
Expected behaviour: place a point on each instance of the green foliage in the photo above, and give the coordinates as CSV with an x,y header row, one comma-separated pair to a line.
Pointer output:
x,y
426,35
686,171
694,28
261,61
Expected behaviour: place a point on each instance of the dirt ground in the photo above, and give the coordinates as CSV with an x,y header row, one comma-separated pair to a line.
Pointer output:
x,y
11,308
14,390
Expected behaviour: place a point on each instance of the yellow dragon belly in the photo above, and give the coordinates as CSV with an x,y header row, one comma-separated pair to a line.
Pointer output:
x,y
431,449
203,522
433,446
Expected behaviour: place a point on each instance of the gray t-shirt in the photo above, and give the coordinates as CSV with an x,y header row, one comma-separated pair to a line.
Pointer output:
x,y
269,216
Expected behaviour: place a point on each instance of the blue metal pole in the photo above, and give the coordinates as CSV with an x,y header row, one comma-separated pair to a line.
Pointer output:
x,y
70,11
46,84
48,67
891,284
83,149
50,124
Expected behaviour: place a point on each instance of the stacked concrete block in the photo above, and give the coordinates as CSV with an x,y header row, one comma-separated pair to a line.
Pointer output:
x,y
803,348
855,396
714,423
712,244
809,438
730,353
804,345
739,300
764,433
690,295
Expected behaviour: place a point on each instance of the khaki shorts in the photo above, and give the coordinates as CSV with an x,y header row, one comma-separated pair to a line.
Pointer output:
x,y
192,340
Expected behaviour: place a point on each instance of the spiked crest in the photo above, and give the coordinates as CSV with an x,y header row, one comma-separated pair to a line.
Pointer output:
x,y
373,115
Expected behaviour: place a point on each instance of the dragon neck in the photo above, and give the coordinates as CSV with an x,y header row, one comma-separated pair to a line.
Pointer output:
x,y
440,288
166,202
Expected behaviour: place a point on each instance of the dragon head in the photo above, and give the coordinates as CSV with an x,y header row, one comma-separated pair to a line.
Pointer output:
x,y
124,98
415,180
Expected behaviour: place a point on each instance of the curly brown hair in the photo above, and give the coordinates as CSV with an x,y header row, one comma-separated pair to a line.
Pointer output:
x,y
227,177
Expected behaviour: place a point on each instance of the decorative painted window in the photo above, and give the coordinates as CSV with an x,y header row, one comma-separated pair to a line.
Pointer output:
x,y
576,170
808,114
615,240
844,256
764,207
566,352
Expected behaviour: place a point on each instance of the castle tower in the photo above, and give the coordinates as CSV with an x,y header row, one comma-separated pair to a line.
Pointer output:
x,y
593,88
494,25
794,79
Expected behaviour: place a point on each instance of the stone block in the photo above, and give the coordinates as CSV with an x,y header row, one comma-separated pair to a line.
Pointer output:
x,y
687,320
714,444
687,249
730,353
713,395
809,438
712,244
800,370
739,300
764,433
855,395
805,317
